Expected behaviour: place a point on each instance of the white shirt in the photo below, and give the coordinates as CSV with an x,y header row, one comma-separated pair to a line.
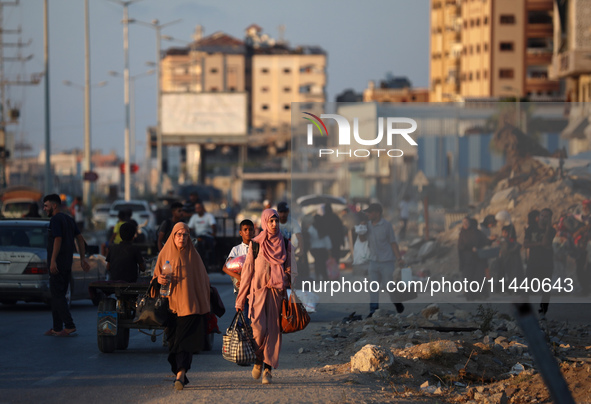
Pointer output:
x,y
360,252
289,229
202,224
404,209
237,251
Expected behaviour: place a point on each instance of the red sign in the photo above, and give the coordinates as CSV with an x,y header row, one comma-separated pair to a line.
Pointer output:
x,y
90,176
134,168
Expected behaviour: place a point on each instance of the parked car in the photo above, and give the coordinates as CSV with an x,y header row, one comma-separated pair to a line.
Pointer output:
x,y
24,271
100,214
140,210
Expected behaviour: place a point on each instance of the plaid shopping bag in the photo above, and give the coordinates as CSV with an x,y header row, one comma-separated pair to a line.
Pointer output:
x,y
239,345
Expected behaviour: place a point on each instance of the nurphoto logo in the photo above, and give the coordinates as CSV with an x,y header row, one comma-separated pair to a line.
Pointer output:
x,y
345,136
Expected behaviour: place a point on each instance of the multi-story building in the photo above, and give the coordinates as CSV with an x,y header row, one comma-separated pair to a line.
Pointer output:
x,y
395,89
572,62
506,49
211,64
446,49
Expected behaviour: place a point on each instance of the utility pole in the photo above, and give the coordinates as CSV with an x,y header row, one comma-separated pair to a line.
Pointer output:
x,y
87,145
48,178
9,114
157,26
127,145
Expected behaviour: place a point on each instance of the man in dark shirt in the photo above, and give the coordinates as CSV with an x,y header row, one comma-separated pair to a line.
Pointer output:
x,y
124,259
60,255
540,263
176,209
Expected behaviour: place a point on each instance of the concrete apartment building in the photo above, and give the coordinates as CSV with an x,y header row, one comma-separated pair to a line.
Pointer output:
x,y
506,49
572,62
211,64
446,49
395,89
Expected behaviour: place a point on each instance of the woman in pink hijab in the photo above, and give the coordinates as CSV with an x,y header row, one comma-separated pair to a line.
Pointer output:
x,y
263,282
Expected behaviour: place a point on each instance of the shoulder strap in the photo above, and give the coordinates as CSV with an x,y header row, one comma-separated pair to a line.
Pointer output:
x,y
255,249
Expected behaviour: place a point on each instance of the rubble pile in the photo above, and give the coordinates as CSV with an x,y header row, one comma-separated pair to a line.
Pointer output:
x,y
460,357
538,186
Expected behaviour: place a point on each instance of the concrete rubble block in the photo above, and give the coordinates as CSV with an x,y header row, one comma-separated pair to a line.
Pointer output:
x,y
461,314
371,358
430,310
504,195
427,388
427,249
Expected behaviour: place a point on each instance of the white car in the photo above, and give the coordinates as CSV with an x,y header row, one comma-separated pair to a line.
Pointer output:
x,y
100,214
140,212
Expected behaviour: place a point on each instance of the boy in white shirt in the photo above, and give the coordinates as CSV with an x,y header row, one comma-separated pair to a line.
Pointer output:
x,y
247,233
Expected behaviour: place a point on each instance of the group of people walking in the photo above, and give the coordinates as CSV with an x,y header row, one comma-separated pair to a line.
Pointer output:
x,y
546,246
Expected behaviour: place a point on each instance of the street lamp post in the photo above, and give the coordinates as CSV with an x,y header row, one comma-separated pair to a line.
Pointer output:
x,y
132,80
157,26
127,174
87,166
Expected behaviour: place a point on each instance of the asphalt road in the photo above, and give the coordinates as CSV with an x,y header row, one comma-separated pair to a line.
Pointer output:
x,y
39,369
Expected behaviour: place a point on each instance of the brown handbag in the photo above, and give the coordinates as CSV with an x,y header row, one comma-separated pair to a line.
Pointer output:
x,y
294,316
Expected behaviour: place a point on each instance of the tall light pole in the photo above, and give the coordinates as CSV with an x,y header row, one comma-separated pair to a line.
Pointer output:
x,y
48,179
132,80
157,26
127,168
87,145
87,164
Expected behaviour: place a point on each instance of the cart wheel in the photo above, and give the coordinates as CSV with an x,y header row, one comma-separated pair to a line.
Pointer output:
x,y
107,344
122,338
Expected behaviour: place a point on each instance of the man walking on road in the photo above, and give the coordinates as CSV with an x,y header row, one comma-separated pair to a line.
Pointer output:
x,y
383,249
60,251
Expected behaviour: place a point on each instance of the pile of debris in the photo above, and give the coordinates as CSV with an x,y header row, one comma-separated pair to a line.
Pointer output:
x,y
459,356
538,185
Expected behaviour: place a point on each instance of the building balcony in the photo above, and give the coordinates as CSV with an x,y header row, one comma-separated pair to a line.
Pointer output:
x,y
537,56
544,85
540,5
543,30
571,63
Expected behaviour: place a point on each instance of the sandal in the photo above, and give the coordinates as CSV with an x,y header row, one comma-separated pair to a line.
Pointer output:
x,y
66,333
50,333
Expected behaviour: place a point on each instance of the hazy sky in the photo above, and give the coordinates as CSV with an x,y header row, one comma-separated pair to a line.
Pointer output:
x,y
364,41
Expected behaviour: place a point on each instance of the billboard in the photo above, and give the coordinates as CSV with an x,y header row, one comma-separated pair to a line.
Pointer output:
x,y
190,116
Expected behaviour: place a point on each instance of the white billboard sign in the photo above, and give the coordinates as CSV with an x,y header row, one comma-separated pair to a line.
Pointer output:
x,y
204,114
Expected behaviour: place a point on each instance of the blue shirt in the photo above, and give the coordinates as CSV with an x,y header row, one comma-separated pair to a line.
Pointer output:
x,y
381,236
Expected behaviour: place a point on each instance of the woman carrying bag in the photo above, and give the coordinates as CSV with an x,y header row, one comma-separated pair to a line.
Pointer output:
x,y
189,301
264,281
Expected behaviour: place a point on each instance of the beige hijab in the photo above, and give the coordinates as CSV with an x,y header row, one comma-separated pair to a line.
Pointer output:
x,y
190,282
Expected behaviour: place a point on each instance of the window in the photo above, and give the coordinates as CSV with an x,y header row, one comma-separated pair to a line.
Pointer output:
x,y
507,19
232,89
287,70
478,22
486,47
506,46
465,24
478,48
286,107
485,74
478,75
286,89
213,89
506,73
485,21
213,70
471,23
264,89
470,76
264,70
264,107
